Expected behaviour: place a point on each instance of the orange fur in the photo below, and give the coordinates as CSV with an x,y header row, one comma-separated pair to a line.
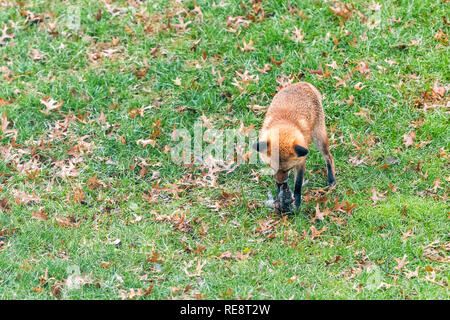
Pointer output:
x,y
295,117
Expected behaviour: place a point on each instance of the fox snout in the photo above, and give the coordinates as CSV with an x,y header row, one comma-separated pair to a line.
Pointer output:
x,y
281,177
287,158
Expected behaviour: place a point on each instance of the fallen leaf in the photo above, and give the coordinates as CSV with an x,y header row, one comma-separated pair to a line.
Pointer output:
x,y
247,46
50,105
36,55
146,142
409,139
40,215
401,262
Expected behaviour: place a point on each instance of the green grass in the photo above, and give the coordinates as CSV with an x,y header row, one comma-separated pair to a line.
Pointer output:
x,y
355,258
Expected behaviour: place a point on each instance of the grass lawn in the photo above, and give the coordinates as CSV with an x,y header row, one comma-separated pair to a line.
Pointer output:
x,y
92,206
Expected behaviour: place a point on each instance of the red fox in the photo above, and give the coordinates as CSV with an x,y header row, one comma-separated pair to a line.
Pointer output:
x,y
294,118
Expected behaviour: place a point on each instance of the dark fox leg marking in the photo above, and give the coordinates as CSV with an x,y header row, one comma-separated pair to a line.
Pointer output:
x,y
321,141
299,173
330,164
331,178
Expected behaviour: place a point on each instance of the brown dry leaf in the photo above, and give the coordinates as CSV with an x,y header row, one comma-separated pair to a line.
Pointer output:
x,y
124,295
112,53
98,15
439,91
302,15
237,255
4,127
363,68
437,251
298,35
56,289
140,73
333,65
235,23
146,142
401,262
153,258
412,43
333,261
409,139
226,255
411,274
350,101
247,78
247,46
5,35
4,102
342,10
374,6
381,69
359,86
220,79
390,62
257,109
319,215
207,122
50,105
177,81
4,203
362,112
406,235
198,11
5,122
22,197
436,184
198,268
377,196
316,233
284,81
154,51
240,256
135,112
264,69
65,221
2,245
355,162
102,117
181,26
431,277
341,82
266,226
36,55
244,81
293,279
441,36
40,215
7,232
318,72
67,170
37,289
278,63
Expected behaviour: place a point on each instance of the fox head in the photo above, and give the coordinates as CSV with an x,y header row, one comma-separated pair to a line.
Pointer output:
x,y
282,149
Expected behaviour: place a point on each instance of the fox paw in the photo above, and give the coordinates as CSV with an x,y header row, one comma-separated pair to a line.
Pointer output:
x,y
331,182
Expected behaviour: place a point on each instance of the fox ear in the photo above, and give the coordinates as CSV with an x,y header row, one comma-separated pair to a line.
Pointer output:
x,y
300,151
260,146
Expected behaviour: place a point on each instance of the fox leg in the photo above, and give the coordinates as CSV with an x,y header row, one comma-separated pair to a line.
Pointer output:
x,y
320,139
298,182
